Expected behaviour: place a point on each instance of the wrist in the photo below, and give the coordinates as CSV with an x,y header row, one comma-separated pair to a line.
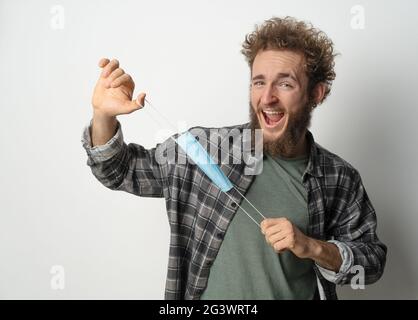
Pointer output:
x,y
314,248
102,129
325,254
105,118
103,122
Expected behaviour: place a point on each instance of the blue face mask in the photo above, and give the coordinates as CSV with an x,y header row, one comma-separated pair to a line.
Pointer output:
x,y
198,154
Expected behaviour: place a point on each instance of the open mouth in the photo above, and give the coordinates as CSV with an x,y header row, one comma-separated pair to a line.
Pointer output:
x,y
272,118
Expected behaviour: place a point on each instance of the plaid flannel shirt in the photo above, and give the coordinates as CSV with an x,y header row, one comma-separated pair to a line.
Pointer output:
x,y
199,213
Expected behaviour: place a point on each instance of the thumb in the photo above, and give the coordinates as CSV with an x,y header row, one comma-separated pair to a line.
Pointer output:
x,y
140,100
138,103
265,224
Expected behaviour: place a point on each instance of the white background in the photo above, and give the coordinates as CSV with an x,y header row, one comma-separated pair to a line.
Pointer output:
x,y
185,55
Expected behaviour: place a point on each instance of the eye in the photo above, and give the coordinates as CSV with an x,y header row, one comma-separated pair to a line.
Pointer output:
x,y
286,85
258,83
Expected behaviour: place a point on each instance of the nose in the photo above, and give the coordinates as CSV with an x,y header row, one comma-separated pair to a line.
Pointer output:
x,y
269,96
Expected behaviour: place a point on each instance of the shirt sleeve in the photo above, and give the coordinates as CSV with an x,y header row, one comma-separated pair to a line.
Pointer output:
x,y
104,152
347,263
354,227
126,167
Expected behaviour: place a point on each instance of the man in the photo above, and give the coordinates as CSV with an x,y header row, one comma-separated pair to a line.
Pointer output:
x,y
319,220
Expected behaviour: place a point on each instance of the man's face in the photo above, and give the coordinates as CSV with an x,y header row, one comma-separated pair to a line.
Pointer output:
x,y
279,99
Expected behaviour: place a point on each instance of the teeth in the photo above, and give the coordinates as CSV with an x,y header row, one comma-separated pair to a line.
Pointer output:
x,y
271,112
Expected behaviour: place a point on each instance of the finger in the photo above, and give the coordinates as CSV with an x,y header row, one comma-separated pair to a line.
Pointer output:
x,y
123,79
279,226
281,246
275,228
279,236
274,225
269,222
112,65
103,62
114,75
264,224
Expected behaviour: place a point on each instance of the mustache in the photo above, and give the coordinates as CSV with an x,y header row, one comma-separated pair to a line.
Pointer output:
x,y
271,108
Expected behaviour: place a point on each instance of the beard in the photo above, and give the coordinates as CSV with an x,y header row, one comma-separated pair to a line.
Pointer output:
x,y
297,125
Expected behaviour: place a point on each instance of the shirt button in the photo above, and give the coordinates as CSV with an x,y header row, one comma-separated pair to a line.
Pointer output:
x,y
220,235
233,205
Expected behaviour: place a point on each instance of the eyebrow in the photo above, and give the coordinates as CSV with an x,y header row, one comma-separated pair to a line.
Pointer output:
x,y
280,75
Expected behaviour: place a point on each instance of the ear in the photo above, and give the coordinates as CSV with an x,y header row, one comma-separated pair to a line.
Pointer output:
x,y
318,92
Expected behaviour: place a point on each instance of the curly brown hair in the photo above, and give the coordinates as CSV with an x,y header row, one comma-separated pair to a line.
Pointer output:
x,y
299,36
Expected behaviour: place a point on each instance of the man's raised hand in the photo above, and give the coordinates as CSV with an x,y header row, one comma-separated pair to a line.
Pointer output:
x,y
114,91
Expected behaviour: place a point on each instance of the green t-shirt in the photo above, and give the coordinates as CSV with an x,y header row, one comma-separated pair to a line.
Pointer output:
x,y
246,267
